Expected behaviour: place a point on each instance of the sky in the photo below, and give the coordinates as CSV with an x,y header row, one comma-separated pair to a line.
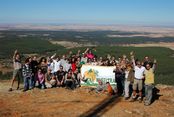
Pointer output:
x,y
143,12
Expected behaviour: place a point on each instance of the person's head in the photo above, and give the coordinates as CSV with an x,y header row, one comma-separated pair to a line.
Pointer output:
x,y
94,59
61,68
63,57
89,60
17,56
146,58
107,62
107,84
128,67
70,72
100,82
40,71
30,59
124,56
84,55
79,59
90,51
101,58
139,64
27,60
148,66
70,52
57,58
117,66
113,63
119,59
43,60
113,58
34,58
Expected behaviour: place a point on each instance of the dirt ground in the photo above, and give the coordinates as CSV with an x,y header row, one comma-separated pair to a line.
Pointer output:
x,y
81,102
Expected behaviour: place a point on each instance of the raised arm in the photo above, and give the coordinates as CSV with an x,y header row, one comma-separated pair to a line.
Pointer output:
x,y
154,65
87,49
133,61
14,55
53,56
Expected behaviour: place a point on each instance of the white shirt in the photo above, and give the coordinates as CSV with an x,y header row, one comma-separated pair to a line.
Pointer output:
x,y
126,74
63,64
55,65
139,72
67,67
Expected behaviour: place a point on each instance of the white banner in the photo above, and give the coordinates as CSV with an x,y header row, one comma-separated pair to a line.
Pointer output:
x,y
93,73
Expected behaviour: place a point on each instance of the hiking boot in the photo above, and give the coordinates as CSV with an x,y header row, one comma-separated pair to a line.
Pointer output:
x,y
140,99
24,90
126,98
132,99
146,104
10,89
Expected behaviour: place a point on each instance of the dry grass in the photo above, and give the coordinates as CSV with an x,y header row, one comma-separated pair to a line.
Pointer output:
x,y
161,44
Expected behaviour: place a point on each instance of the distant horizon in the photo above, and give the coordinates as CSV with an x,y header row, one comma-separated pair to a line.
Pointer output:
x,y
89,24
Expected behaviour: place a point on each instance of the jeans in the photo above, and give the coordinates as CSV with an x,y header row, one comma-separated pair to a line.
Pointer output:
x,y
27,83
126,88
33,81
42,85
148,93
69,84
119,86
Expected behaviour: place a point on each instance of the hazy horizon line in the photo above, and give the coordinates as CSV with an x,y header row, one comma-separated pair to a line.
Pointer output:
x,y
88,24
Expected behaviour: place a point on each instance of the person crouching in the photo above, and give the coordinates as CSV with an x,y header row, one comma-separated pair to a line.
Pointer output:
x,y
41,79
69,80
110,90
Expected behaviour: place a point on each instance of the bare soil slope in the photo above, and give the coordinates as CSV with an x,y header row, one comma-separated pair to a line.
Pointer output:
x,y
60,102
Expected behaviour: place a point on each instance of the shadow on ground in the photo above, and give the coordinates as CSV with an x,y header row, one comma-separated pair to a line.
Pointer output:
x,y
156,94
102,107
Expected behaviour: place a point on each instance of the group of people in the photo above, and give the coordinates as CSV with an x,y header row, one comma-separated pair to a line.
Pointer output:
x,y
131,77
55,71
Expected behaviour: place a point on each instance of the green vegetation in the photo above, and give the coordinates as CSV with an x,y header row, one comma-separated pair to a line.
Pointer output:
x,y
35,42
26,45
94,37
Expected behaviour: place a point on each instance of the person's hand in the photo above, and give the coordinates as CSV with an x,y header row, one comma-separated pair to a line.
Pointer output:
x,y
16,51
131,53
143,77
155,61
124,56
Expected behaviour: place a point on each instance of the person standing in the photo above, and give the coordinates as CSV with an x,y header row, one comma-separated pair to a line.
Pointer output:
x,y
138,80
149,83
27,75
17,73
119,73
34,66
129,78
